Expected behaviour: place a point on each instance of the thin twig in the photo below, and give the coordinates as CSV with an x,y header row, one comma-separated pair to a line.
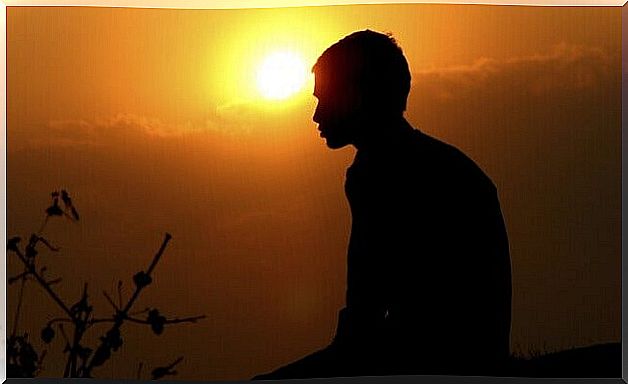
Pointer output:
x,y
139,370
110,301
119,318
60,320
66,370
68,363
119,293
43,225
79,329
13,279
139,312
40,362
148,272
55,281
65,336
19,307
31,269
159,253
160,372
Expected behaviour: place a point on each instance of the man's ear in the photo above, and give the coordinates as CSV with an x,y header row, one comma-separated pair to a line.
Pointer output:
x,y
368,104
359,100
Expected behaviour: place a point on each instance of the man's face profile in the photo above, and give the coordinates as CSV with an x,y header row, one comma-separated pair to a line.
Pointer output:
x,y
336,112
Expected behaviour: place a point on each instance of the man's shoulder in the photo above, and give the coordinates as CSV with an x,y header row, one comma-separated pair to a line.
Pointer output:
x,y
448,161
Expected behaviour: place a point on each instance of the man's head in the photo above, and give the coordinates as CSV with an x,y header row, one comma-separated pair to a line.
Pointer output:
x,y
361,79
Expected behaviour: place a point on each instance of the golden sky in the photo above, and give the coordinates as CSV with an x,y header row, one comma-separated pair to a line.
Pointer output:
x,y
151,119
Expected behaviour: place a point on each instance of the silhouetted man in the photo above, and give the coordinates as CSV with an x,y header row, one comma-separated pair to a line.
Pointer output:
x,y
429,276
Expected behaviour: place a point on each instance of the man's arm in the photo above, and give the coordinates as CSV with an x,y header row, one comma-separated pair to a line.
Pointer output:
x,y
367,269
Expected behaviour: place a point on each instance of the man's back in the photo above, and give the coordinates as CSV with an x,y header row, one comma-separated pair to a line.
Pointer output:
x,y
428,263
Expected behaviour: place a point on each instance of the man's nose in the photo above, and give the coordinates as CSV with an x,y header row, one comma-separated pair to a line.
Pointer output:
x,y
317,114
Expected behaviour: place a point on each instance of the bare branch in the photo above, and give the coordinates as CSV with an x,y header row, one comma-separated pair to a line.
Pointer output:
x,y
48,245
139,370
160,372
80,313
110,301
80,321
159,253
43,225
104,347
139,312
65,336
119,293
55,281
14,279
31,269
60,320
19,307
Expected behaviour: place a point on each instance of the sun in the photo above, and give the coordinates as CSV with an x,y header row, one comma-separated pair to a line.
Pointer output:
x,y
281,75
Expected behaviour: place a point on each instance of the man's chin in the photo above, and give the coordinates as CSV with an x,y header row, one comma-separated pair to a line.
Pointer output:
x,y
335,145
335,141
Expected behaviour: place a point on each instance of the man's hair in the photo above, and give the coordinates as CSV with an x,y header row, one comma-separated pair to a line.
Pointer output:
x,y
371,62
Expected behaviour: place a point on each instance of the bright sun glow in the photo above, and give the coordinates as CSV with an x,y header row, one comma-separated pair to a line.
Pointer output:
x,y
281,75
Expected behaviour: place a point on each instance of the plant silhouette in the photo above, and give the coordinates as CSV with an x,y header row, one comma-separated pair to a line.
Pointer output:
x,y
22,358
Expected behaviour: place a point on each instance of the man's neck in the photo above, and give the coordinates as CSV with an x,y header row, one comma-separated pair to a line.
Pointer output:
x,y
380,134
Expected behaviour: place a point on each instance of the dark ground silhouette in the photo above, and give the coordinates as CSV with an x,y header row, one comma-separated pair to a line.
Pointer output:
x,y
596,361
601,360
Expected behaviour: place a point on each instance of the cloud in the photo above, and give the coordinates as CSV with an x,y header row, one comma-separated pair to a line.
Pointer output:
x,y
244,118
239,120
83,131
568,97
566,68
109,131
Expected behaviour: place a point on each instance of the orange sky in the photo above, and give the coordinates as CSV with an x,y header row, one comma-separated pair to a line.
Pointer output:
x,y
151,121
